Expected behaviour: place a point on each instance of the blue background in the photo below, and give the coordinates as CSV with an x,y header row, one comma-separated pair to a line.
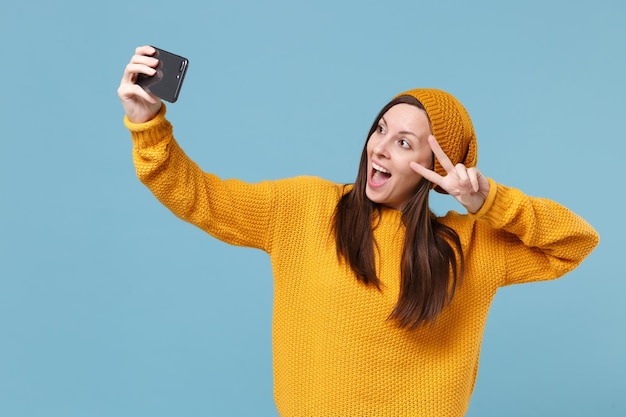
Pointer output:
x,y
110,306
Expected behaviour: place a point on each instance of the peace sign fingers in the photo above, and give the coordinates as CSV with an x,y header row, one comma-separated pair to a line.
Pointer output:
x,y
443,159
441,156
467,185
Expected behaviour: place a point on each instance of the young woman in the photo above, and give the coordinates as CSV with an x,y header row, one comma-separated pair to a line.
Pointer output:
x,y
379,305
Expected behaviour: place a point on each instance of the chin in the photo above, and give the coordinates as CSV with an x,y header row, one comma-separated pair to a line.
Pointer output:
x,y
371,196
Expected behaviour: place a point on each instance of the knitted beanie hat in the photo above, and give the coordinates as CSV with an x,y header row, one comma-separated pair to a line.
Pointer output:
x,y
451,126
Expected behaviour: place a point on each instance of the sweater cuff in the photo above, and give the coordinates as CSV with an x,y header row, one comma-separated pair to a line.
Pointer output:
x,y
490,207
151,132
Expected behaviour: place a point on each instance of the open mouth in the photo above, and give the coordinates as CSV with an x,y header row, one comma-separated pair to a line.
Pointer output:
x,y
379,174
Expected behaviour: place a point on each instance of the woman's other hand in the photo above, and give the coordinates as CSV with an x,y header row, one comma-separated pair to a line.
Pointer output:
x,y
468,185
139,105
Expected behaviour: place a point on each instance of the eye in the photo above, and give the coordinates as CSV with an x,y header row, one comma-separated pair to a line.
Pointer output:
x,y
380,129
404,143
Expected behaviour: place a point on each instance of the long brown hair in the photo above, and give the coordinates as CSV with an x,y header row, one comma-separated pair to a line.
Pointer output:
x,y
430,270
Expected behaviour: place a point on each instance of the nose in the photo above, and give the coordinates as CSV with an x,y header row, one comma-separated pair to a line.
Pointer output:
x,y
381,148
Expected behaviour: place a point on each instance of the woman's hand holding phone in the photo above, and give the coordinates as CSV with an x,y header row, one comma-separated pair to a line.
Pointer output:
x,y
139,105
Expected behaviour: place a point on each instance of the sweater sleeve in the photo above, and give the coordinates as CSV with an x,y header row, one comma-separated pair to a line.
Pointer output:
x,y
230,210
541,239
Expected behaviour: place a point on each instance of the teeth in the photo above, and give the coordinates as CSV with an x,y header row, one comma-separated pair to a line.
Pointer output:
x,y
379,168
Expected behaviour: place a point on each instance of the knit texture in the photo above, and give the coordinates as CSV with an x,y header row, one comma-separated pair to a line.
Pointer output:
x,y
335,352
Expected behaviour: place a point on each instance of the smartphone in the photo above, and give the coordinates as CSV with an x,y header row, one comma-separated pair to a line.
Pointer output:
x,y
168,79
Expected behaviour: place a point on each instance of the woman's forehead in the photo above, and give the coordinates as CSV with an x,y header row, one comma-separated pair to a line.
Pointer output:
x,y
406,117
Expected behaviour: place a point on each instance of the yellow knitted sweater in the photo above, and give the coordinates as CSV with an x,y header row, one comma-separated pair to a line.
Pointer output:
x,y
335,353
